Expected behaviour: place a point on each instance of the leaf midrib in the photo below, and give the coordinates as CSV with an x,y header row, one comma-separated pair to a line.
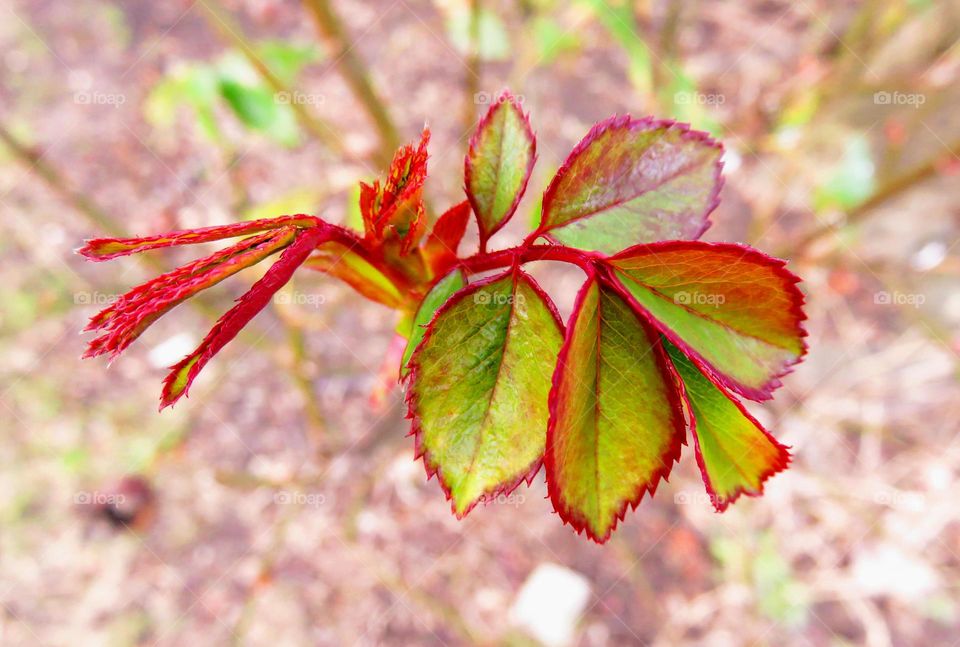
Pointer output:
x,y
596,406
700,315
469,472
621,201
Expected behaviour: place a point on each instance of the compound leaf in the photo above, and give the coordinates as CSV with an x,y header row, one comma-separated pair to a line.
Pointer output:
x,y
633,181
480,381
498,164
734,311
616,421
735,453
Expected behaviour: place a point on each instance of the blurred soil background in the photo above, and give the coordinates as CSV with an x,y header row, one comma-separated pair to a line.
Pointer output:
x,y
280,504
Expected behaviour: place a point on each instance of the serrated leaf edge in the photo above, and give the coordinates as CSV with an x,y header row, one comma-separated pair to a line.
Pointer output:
x,y
505,98
669,458
416,430
645,123
716,376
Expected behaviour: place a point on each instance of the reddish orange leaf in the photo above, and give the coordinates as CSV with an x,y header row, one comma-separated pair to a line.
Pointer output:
x,y
181,376
104,249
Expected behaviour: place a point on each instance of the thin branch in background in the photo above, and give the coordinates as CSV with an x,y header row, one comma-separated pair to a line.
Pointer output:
x,y
354,71
668,56
471,81
316,423
52,178
97,216
861,212
231,32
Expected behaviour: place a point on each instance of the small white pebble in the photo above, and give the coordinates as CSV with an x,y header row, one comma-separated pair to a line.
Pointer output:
x,y
169,352
549,604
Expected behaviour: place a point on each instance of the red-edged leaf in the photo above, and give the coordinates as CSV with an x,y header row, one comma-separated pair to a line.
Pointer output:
x,y
103,249
440,248
181,376
616,420
350,267
479,386
397,203
633,181
133,313
735,453
498,164
410,237
737,313
439,294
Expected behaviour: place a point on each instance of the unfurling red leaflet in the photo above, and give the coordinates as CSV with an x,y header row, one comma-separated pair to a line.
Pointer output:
x,y
666,333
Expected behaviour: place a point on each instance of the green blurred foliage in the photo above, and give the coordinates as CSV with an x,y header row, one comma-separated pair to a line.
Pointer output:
x,y
779,595
493,42
552,41
618,19
852,181
686,103
232,82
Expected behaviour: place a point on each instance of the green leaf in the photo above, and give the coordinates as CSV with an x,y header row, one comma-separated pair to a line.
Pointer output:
x,y
480,381
436,297
734,452
618,19
616,422
552,40
734,311
632,181
498,164
254,106
350,267
254,103
286,60
195,86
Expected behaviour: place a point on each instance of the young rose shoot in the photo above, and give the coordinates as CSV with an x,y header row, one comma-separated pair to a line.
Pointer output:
x,y
667,333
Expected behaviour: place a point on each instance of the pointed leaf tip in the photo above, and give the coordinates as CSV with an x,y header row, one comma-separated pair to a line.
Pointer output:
x,y
616,422
633,181
736,455
479,385
498,164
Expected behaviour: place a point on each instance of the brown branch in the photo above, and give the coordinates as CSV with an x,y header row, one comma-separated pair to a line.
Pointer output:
x,y
354,71
471,81
35,164
890,189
